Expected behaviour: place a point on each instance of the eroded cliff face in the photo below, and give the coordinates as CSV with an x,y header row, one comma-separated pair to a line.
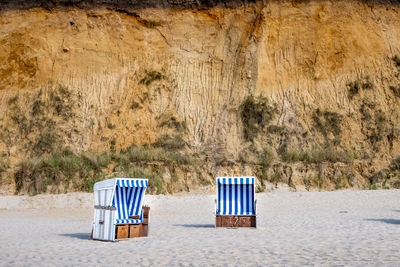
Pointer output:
x,y
298,93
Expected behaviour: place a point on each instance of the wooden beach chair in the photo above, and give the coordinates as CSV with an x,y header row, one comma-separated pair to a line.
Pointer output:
x,y
118,210
235,204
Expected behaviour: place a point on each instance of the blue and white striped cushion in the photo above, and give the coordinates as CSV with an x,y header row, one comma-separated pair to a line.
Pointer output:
x,y
128,202
128,221
235,196
132,183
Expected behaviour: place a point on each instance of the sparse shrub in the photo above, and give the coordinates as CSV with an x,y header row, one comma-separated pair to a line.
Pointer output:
x,y
37,107
326,122
372,187
342,181
378,132
135,105
394,169
395,90
255,115
34,113
18,116
367,84
110,126
34,175
155,181
4,164
380,121
13,100
65,169
317,156
262,175
145,96
275,129
112,145
395,164
276,177
396,60
203,180
364,109
267,158
171,121
295,156
27,175
260,189
46,142
396,184
170,142
88,182
353,88
61,101
150,77
311,181
145,154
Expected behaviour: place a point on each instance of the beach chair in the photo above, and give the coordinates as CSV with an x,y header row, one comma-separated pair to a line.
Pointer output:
x,y
235,205
118,211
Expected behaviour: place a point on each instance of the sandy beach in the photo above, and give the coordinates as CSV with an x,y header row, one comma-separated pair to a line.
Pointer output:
x,y
301,228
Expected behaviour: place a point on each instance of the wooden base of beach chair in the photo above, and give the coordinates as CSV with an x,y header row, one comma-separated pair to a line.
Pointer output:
x,y
235,221
132,230
145,224
122,231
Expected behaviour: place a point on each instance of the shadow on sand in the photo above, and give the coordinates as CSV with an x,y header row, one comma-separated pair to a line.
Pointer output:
x,y
83,236
196,225
390,221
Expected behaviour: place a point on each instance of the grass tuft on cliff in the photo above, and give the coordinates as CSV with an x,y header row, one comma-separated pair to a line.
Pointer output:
x,y
395,90
151,76
396,60
327,122
65,170
255,113
355,87
317,156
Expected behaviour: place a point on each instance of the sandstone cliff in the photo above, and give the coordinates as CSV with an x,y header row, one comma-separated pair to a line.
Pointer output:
x,y
302,93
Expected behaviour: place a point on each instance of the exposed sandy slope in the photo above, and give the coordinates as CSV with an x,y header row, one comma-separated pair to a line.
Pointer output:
x,y
344,227
175,74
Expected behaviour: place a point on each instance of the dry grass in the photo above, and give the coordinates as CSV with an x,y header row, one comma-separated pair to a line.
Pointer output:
x,y
396,60
317,156
170,142
151,76
328,122
355,87
63,170
255,113
395,90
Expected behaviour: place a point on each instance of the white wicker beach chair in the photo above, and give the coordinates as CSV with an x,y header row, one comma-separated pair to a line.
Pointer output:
x,y
118,211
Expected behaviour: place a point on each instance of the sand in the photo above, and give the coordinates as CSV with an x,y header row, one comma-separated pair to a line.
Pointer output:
x,y
307,228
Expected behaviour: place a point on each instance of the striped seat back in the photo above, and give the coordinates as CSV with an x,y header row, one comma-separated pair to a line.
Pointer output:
x,y
235,195
128,198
